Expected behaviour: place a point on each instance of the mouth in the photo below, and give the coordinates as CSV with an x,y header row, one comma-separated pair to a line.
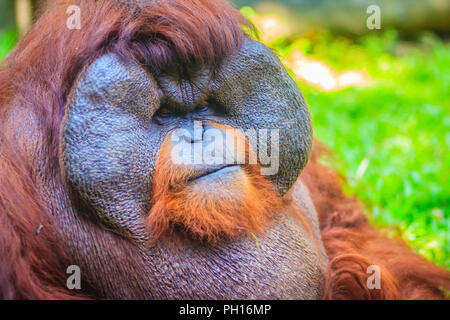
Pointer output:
x,y
211,172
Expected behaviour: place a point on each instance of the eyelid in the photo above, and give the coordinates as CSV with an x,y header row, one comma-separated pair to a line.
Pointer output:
x,y
164,111
203,108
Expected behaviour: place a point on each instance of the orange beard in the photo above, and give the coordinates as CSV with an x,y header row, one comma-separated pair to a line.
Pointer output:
x,y
243,204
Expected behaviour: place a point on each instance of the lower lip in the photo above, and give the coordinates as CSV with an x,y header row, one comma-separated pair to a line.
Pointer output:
x,y
221,171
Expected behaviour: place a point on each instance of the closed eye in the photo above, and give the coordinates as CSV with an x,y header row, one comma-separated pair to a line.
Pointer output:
x,y
203,109
164,112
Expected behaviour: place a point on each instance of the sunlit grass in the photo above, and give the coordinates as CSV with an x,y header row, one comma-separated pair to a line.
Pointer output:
x,y
391,139
8,40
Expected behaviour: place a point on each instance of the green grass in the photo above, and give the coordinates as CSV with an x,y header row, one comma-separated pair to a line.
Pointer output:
x,y
399,125
8,40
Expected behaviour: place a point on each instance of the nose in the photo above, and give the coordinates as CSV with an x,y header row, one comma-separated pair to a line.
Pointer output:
x,y
193,133
196,132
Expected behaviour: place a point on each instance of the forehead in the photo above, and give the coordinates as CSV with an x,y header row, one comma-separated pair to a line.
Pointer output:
x,y
111,80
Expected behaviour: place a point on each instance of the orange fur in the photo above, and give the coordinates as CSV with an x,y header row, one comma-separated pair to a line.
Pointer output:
x,y
246,206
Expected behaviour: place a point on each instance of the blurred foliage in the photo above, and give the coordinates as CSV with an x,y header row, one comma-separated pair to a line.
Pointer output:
x,y
8,40
391,139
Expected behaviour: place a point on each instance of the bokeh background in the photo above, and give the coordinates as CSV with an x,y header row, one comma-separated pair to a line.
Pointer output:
x,y
380,99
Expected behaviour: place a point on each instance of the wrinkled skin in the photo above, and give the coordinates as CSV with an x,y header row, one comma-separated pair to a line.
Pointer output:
x,y
111,137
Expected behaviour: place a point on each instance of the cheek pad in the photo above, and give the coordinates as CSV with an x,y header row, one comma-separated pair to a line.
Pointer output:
x,y
108,145
258,93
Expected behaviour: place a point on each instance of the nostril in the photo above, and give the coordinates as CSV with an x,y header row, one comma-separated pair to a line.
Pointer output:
x,y
191,139
194,134
187,136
